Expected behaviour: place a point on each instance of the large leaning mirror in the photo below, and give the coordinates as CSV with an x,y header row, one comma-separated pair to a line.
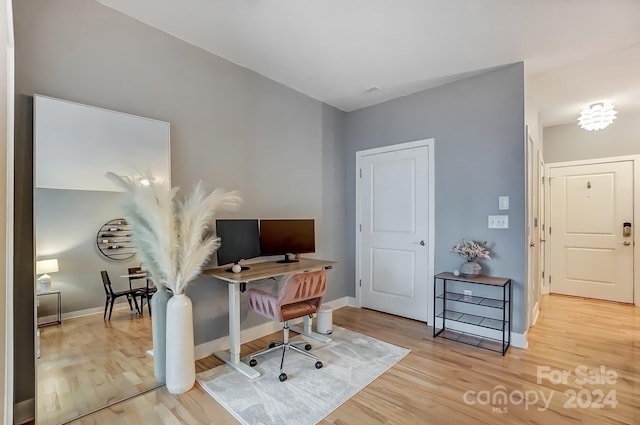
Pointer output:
x,y
87,356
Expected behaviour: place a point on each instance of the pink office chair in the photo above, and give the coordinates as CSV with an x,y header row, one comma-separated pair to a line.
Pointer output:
x,y
301,295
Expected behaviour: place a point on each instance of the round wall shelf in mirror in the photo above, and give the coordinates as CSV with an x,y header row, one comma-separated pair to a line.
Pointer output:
x,y
114,240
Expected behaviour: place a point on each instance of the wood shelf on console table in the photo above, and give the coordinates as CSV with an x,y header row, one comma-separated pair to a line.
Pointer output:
x,y
475,321
482,280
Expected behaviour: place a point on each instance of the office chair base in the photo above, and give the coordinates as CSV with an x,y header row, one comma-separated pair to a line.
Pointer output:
x,y
285,347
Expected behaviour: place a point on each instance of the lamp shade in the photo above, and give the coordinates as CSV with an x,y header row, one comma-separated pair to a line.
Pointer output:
x,y
47,266
597,116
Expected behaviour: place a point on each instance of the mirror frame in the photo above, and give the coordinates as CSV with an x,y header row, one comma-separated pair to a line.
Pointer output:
x,y
127,130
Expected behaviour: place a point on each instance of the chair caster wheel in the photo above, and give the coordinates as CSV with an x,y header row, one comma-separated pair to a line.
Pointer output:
x,y
272,344
307,347
253,362
282,377
319,365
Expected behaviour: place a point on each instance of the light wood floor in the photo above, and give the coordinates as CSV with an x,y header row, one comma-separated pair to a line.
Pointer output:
x,y
86,363
428,385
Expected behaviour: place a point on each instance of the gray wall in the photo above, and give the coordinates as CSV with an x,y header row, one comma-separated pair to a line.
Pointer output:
x,y
67,222
230,127
569,142
285,152
478,126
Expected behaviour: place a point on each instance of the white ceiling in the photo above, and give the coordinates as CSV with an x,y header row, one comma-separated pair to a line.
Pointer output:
x,y
576,51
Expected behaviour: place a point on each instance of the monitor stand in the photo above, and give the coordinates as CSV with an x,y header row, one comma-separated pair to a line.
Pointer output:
x,y
230,269
287,260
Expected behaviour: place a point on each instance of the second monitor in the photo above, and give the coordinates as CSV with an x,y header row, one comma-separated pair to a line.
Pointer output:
x,y
287,236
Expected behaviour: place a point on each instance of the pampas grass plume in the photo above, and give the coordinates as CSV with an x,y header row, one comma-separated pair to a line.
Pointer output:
x,y
173,238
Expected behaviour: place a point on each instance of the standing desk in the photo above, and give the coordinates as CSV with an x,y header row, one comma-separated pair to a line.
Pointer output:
x,y
237,283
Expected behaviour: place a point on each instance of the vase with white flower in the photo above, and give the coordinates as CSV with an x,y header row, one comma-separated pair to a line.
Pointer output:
x,y
471,250
174,239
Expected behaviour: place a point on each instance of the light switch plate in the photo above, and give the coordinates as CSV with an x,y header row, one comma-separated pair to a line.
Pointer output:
x,y
498,222
503,202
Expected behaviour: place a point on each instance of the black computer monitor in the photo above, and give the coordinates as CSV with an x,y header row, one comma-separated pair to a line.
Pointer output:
x,y
240,240
284,237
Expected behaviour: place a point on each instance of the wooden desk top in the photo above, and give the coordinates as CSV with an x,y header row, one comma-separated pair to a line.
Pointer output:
x,y
267,269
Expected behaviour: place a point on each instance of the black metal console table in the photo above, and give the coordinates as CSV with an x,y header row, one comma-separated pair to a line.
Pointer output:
x,y
477,317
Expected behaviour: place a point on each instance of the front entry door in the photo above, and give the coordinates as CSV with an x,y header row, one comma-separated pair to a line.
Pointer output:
x,y
590,254
394,232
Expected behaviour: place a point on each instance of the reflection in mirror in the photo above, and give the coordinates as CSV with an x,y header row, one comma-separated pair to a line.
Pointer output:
x,y
86,360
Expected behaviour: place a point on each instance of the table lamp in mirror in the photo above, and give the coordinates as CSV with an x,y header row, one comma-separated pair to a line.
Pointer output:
x,y
45,267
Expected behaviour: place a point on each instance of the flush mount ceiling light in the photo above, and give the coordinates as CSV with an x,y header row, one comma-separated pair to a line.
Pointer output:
x,y
597,116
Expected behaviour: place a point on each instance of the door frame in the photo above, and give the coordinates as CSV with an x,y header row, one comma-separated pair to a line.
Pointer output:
x,y
542,202
430,144
7,97
534,235
635,159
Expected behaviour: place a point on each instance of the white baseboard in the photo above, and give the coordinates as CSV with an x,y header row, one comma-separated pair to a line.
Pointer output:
x,y
82,313
352,302
519,340
209,347
335,304
206,349
24,411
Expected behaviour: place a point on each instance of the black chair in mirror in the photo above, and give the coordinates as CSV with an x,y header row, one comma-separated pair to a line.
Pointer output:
x,y
145,292
111,296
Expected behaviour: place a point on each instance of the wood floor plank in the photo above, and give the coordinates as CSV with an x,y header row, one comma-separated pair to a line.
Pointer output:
x,y
86,363
429,384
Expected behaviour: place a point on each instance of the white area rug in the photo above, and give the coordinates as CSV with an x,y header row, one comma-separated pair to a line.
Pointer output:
x,y
351,361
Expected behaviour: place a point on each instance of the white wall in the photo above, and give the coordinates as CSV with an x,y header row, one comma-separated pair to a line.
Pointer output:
x,y
569,142
66,223
531,112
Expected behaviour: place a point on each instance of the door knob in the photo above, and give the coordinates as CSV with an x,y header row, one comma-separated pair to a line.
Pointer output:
x,y
626,243
419,243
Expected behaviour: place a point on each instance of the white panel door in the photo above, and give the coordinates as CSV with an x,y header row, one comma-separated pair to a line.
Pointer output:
x,y
590,255
394,248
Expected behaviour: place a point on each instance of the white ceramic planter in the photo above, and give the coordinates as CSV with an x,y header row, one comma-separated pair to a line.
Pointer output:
x,y
470,269
159,331
181,365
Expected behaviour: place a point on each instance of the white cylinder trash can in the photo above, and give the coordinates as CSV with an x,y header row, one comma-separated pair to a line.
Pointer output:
x,y
324,323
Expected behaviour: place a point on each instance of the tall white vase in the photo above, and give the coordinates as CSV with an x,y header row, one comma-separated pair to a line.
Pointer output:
x,y
159,331
181,364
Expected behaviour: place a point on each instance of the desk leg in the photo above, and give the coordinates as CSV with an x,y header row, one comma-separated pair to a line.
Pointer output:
x,y
307,331
232,358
